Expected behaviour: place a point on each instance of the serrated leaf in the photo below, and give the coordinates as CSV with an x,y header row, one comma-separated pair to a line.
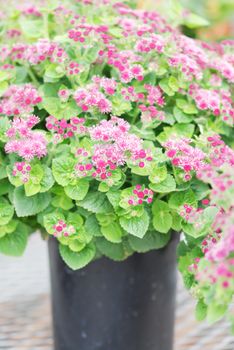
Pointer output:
x,y
158,174
78,190
14,243
114,251
48,180
166,186
178,199
201,310
152,240
162,219
112,232
92,226
6,211
62,169
215,311
95,202
28,206
78,260
136,226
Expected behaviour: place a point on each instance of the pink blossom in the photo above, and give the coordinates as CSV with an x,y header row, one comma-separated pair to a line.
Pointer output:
x,y
20,99
24,141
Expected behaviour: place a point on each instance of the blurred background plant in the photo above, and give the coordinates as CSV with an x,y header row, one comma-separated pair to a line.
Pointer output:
x,y
196,15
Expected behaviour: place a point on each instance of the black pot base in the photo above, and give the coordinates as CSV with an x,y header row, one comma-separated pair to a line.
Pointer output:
x,y
115,305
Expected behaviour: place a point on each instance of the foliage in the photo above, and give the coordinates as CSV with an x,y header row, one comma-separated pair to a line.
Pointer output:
x,y
115,131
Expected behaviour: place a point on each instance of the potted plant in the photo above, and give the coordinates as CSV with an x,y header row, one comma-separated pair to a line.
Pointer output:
x,y
115,136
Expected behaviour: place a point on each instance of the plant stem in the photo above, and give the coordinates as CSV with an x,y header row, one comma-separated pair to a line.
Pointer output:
x,y
46,25
33,76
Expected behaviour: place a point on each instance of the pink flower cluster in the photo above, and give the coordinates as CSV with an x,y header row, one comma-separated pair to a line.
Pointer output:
x,y
19,99
225,67
140,194
218,249
114,145
13,33
219,170
64,129
90,97
84,167
188,66
108,85
61,229
73,68
82,31
126,63
22,170
184,156
156,42
42,50
217,101
24,141
31,11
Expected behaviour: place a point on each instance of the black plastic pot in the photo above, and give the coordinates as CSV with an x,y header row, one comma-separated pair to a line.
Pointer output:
x,y
115,305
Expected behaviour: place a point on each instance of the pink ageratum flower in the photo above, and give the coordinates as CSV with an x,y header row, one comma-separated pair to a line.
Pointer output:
x,y
19,99
114,146
217,101
184,156
64,129
24,141
90,97
42,50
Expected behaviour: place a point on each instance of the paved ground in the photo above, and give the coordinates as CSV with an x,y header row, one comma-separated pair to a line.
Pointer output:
x,y
25,320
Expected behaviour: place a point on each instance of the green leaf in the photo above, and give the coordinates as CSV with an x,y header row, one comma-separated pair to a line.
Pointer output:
x,y
52,105
176,222
112,232
32,28
178,199
201,310
152,240
8,228
77,191
4,186
114,251
4,126
31,189
48,180
136,226
120,106
95,202
114,198
186,107
53,73
159,174
62,201
173,83
215,311
28,206
164,85
92,226
75,220
162,219
6,211
14,244
63,169
193,21
33,185
177,130
180,116
166,186
77,260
